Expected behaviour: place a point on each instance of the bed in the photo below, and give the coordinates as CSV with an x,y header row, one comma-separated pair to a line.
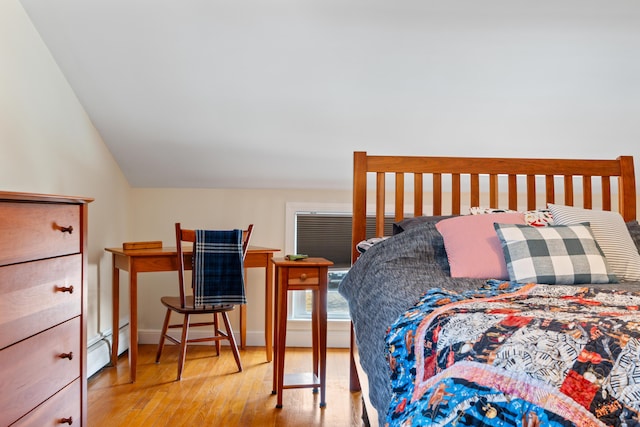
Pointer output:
x,y
401,295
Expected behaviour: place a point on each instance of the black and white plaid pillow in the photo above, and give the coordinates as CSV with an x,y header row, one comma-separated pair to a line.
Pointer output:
x,y
560,254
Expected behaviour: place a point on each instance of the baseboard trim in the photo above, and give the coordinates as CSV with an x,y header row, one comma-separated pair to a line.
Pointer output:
x,y
298,335
295,338
99,349
98,356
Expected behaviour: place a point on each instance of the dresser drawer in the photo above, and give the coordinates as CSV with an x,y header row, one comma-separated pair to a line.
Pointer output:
x,y
303,276
61,409
35,369
38,295
30,231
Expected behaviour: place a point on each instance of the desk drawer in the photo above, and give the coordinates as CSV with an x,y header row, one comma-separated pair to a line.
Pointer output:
x,y
30,231
303,276
35,369
34,297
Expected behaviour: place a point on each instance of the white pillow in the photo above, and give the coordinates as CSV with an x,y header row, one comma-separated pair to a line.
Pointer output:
x,y
535,217
612,235
366,244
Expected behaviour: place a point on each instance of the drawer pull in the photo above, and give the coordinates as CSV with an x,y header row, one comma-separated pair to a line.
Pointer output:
x,y
303,277
66,355
66,421
68,229
64,289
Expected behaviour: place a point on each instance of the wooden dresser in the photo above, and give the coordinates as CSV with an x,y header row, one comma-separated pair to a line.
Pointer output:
x,y
43,340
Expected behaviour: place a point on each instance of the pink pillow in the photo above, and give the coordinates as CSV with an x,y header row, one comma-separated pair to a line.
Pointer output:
x,y
473,247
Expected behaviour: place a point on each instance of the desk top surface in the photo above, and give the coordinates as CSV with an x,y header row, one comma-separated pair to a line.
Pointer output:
x,y
171,251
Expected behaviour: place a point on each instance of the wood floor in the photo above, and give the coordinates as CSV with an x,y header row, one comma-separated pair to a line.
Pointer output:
x,y
212,392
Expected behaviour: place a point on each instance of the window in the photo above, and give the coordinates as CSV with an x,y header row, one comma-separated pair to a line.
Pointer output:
x,y
327,234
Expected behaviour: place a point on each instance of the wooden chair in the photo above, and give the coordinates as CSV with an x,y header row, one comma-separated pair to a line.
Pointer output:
x,y
185,305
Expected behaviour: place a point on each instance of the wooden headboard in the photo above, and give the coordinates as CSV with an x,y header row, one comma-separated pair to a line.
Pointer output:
x,y
530,184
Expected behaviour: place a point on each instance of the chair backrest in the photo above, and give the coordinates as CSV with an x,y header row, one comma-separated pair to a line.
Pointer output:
x,y
187,235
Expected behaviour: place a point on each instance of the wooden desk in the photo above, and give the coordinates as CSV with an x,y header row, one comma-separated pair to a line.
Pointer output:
x,y
164,259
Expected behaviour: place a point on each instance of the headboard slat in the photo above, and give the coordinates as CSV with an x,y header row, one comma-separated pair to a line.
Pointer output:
x,y
455,194
417,194
550,189
399,196
606,193
587,191
531,192
513,191
568,190
380,203
494,191
475,189
437,194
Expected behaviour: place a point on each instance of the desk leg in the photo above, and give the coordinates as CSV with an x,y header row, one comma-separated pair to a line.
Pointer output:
x,y
315,333
115,310
133,323
281,339
268,310
274,390
243,320
323,336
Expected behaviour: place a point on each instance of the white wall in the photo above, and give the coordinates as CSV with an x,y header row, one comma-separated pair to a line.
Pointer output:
x,y
49,145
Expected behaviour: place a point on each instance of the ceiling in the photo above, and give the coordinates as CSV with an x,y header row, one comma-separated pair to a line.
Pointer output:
x,y
278,94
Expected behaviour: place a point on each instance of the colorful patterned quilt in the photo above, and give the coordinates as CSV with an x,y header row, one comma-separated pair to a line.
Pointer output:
x,y
517,355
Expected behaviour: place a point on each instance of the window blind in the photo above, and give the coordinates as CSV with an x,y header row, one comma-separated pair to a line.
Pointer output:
x,y
328,235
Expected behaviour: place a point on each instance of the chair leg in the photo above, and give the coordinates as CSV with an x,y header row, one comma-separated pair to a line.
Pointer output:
x,y
216,328
232,340
165,327
183,345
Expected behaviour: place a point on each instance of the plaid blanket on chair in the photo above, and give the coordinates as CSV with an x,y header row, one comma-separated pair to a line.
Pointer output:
x,y
218,268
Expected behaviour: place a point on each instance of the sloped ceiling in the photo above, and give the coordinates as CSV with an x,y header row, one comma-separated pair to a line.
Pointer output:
x,y
279,93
